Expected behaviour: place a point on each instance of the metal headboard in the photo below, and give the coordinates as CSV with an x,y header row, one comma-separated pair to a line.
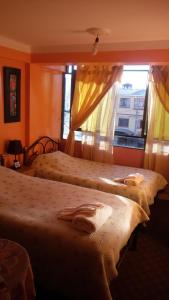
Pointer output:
x,y
42,145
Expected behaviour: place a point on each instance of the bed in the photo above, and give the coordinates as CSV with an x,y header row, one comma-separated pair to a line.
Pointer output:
x,y
62,167
76,264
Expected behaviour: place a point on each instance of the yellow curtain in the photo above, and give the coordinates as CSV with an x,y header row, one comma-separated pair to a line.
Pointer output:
x,y
98,129
92,83
157,144
161,83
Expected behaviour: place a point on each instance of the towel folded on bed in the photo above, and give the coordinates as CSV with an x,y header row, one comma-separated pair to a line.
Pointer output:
x,y
131,179
87,217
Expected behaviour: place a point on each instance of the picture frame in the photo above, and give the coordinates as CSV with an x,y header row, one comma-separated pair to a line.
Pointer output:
x,y
12,80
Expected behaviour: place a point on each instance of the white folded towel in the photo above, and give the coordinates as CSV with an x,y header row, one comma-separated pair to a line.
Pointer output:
x,y
88,217
131,179
134,179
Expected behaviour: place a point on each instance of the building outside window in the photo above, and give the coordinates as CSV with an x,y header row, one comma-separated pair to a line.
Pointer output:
x,y
133,86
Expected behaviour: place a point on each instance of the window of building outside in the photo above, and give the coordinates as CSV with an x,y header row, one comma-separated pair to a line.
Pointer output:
x,y
139,124
139,103
124,102
131,107
123,122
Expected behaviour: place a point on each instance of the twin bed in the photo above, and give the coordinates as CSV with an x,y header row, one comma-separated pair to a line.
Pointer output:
x,y
59,166
76,264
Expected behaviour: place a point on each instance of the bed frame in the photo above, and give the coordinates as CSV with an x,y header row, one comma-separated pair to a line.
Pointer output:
x,y
42,145
131,244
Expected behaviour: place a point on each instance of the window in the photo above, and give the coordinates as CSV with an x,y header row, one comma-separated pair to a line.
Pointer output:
x,y
68,90
130,129
125,102
123,122
133,86
139,124
139,103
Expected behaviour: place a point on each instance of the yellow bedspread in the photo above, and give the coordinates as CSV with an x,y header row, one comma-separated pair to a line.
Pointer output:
x,y
62,167
77,264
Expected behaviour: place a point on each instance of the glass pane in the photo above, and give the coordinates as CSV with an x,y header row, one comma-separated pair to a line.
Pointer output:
x,y
66,124
70,69
67,91
78,135
130,107
124,102
134,80
136,67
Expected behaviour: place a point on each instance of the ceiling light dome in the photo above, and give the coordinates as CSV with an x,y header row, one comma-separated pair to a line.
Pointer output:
x,y
97,32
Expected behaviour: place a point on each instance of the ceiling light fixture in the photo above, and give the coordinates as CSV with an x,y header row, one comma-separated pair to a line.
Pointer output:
x,y
95,45
97,32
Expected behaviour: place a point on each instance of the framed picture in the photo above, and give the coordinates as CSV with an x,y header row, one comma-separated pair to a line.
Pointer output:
x,y
12,79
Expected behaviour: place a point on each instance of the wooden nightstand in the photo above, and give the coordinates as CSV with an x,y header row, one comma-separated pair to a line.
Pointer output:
x,y
26,170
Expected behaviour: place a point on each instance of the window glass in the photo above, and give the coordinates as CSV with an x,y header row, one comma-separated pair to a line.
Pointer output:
x,y
67,105
124,102
130,109
139,102
123,122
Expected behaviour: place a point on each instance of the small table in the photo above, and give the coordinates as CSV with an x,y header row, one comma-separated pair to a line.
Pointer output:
x,y
16,278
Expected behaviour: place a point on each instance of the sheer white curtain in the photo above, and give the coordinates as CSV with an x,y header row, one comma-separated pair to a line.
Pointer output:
x,y
98,130
92,84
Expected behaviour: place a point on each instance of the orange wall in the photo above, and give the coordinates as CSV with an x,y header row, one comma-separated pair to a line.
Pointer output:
x,y
11,130
41,93
128,157
122,156
45,102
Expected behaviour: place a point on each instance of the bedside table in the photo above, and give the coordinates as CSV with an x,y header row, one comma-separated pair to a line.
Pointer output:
x,y
26,170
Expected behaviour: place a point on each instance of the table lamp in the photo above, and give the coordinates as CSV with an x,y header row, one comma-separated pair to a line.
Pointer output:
x,y
15,147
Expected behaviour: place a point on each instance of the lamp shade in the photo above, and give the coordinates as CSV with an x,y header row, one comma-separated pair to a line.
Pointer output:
x,y
14,147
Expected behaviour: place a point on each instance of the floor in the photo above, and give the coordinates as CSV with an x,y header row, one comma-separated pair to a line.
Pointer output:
x,y
144,273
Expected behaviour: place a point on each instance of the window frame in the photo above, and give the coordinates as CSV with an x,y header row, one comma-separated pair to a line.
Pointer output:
x,y
145,115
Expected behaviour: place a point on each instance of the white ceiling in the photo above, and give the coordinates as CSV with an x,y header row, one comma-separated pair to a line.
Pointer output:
x,y
60,25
